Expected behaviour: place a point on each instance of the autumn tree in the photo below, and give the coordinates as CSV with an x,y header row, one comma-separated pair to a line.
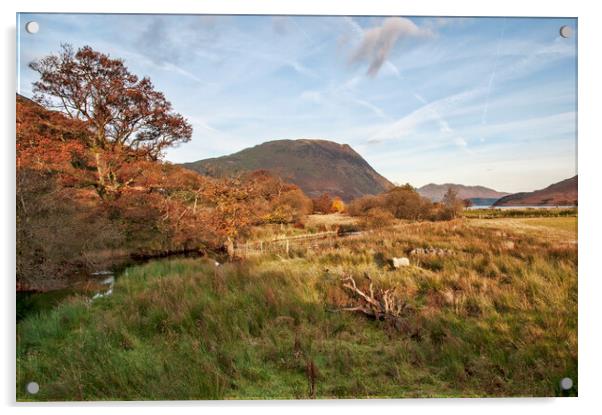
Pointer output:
x,y
322,204
273,200
452,204
404,202
127,118
361,206
378,218
337,205
58,225
400,202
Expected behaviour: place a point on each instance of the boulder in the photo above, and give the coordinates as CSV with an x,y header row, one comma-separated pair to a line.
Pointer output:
x,y
401,262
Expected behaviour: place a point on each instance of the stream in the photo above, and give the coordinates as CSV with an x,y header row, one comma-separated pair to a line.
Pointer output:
x,y
100,284
95,285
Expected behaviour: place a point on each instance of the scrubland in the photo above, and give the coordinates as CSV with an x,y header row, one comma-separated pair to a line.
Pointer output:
x,y
495,314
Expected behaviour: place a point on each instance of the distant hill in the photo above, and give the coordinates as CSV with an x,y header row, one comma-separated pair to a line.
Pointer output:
x,y
316,166
435,192
563,193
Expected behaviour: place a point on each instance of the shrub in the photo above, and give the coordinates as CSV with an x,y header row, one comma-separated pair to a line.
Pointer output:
x,y
361,206
452,204
378,218
405,203
401,202
337,206
322,204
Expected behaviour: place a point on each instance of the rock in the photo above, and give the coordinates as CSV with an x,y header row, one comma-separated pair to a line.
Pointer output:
x,y
401,262
432,251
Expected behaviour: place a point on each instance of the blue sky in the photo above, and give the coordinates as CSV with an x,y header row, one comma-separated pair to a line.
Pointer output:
x,y
488,101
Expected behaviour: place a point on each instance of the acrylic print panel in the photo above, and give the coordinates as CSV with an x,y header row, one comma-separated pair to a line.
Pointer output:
x,y
295,207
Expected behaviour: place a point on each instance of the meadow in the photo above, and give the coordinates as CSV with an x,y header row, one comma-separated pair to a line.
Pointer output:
x,y
520,212
487,307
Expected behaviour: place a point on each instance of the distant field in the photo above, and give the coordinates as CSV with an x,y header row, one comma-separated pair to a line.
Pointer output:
x,y
494,315
518,213
329,221
568,224
563,228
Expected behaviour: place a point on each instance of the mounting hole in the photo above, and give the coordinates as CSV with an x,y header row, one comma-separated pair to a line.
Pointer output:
x,y
32,27
566,383
33,388
566,31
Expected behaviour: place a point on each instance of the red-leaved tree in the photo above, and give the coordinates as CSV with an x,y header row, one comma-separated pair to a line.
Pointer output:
x,y
127,118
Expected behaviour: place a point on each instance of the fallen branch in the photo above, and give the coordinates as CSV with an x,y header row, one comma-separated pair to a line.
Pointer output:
x,y
382,305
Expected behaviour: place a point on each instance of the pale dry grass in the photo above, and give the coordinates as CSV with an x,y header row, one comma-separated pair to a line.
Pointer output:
x,y
329,221
561,229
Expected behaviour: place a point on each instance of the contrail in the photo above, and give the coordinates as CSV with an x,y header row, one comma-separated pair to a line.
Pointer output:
x,y
491,78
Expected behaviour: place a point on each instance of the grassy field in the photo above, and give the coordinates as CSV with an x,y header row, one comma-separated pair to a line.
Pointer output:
x,y
562,229
567,224
329,222
519,212
496,315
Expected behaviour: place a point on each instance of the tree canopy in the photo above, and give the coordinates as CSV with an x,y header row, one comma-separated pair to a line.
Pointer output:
x,y
121,110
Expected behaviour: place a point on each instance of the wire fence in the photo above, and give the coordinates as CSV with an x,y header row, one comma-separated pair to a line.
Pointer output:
x,y
285,246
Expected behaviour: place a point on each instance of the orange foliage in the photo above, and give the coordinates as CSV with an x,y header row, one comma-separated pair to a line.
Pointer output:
x,y
327,204
337,206
322,204
89,178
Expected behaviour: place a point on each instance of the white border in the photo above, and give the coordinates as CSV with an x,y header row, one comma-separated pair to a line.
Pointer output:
x,y
590,199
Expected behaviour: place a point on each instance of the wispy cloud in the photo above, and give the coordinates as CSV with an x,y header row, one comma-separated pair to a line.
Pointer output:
x,y
163,42
155,42
492,76
418,89
343,94
378,41
429,112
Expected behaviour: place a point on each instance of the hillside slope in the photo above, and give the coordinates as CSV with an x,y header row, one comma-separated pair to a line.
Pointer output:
x,y
316,166
435,192
563,193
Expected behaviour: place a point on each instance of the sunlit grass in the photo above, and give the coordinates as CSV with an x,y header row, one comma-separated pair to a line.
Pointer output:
x,y
568,224
497,317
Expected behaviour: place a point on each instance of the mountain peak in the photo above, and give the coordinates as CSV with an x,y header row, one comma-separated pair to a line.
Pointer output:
x,y
315,165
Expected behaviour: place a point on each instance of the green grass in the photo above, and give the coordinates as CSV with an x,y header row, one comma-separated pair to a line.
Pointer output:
x,y
492,319
519,213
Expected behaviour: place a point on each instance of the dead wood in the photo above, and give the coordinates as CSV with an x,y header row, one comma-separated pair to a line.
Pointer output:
x,y
381,305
